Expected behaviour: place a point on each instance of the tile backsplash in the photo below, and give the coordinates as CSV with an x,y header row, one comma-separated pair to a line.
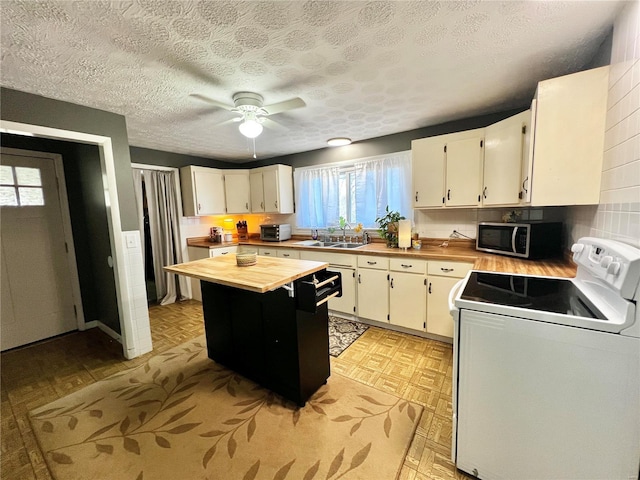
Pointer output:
x,y
618,215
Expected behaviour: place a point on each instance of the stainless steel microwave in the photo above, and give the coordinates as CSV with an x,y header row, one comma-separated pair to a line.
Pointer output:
x,y
275,232
525,240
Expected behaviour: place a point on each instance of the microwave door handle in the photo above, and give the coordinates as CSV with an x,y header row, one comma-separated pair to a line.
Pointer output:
x,y
513,239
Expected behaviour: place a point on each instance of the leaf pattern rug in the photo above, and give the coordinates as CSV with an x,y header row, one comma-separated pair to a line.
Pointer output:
x,y
182,416
342,333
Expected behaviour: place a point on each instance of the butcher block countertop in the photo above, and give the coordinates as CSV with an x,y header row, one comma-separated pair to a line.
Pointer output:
x,y
267,274
457,251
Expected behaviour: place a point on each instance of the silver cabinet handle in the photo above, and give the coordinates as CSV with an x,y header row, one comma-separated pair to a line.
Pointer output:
x,y
484,192
429,287
267,253
359,279
405,266
447,270
416,196
391,282
246,205
286,255
276,204
199,207
372,263
223,253
262,205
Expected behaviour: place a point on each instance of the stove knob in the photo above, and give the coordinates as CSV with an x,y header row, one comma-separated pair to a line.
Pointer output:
x,y
613,268
577,247
606,261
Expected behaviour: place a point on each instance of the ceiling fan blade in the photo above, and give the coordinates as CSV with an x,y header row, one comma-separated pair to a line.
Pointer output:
x,y
212,101
272,125
228,122
284,106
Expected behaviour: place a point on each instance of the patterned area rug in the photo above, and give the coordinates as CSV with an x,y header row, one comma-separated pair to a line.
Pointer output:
x,y
181,415
343,333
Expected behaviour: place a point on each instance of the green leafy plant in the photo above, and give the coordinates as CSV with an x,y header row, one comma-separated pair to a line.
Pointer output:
x,y
388,226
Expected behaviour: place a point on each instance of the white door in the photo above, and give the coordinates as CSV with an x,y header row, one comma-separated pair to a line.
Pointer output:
x,y
209,186
236,187
37,299
428,161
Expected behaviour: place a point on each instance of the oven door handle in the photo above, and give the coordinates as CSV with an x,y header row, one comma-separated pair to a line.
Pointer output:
x,y
453,293
513,239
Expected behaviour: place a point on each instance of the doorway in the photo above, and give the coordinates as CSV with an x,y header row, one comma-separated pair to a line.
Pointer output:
x,y
40,295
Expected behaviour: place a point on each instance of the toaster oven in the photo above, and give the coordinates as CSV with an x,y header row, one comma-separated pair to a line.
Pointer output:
x,y
275,233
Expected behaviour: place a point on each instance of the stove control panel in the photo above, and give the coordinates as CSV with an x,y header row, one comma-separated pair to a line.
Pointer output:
x,y
616,264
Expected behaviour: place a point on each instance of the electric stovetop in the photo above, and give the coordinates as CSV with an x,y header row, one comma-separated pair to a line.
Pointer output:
x,y
553,295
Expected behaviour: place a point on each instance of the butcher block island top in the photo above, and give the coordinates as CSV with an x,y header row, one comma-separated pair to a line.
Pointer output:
x,y
267,274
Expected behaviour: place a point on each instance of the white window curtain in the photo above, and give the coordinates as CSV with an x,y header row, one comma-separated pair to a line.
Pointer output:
x,y
317,196
381,182
162,206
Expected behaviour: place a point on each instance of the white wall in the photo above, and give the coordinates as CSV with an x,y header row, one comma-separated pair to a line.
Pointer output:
x,y
618,215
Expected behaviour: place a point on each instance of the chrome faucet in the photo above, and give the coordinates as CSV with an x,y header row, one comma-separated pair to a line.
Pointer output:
x,y
365,238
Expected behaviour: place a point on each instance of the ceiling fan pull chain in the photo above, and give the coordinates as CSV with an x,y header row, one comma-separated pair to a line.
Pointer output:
x,y
254,148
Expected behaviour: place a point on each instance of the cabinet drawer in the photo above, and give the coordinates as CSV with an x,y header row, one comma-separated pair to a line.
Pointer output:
x,y
216,252
268,252
335,259
449,269
410,265
288,253
377,263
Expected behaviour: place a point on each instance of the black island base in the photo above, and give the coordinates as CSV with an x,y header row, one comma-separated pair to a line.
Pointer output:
x,y
275,339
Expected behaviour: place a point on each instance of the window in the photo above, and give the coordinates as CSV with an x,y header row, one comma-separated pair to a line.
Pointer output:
x,y
359,191
20,186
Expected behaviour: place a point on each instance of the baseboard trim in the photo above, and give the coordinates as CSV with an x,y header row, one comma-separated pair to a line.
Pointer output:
x,y
112,333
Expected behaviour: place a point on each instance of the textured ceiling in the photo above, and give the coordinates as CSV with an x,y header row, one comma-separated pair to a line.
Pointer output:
x,y
364,69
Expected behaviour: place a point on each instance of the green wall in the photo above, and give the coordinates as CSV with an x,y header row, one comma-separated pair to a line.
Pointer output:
x,y
148,156
36,110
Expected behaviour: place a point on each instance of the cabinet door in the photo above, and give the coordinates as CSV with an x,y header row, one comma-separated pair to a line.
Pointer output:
x,y
347,302
237,192
569,139
257,192
464,167
428,162
503,155
268,252
373,294
220,252
407,300
270,186
209,192
439,320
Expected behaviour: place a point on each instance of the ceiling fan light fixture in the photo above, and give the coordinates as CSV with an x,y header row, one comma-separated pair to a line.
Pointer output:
x,y
250,128
339,142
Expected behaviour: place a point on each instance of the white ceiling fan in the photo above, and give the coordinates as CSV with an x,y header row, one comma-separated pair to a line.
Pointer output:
x,y
253,113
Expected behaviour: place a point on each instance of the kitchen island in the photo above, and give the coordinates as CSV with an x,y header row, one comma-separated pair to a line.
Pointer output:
x,y
268,321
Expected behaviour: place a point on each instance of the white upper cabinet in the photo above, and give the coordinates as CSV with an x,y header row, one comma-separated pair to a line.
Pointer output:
x,y
427,163
447,166
202,191
237,191
272,189
504,151
568,146
464,170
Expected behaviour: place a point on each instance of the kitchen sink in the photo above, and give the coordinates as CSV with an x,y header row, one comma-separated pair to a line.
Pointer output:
x,y
318,243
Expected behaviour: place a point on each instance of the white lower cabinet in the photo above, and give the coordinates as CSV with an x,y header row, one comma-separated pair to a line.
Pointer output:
x,y
268,252
408,293
347,302
373,294
198,253
442,276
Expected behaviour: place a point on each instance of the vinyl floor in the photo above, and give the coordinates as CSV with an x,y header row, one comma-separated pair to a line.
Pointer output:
x,y
411,367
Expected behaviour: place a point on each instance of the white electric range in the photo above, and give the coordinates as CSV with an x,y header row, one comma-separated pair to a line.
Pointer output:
x,y
546,380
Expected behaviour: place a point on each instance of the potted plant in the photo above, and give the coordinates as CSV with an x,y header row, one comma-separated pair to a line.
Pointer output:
x,y
388,227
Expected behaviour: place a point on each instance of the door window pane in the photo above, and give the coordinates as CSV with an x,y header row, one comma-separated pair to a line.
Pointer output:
x,y
8,196
6,175
28,176
30,196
